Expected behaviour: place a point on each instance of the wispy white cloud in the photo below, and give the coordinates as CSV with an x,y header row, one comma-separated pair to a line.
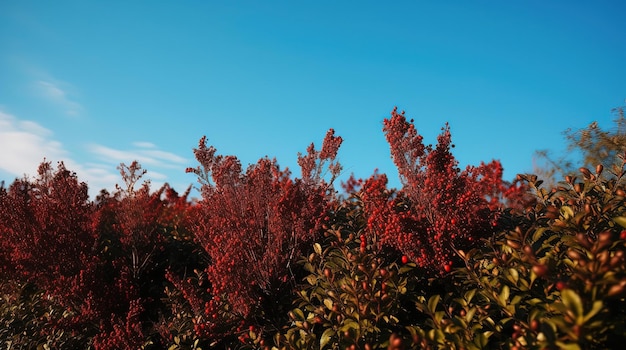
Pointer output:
x,y
143,144
25,144
148,155
144,153
54,92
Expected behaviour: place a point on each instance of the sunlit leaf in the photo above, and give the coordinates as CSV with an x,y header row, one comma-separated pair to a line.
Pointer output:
x,y
620,220
326,336
573,302
432,303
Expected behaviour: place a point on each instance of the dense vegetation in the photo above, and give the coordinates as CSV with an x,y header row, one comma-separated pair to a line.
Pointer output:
x,y
454,259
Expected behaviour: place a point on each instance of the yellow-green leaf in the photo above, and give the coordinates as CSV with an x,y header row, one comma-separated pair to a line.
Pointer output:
x,y
597,307
514,275
567,212
568,346
318,248
504,295
326,336
573,302
620,220
299,314
432,303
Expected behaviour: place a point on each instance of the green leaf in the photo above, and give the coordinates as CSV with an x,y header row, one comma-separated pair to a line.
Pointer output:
x,y
470,314
568,346
439,336
299,314
318,248
597,307
481,340
567,212
308,267
432,303
620,220
573,302
326,336
439,315
404,269
504,294
538,233
311,279
514,275
469,295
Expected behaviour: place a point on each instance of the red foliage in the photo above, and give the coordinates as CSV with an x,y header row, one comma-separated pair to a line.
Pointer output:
x,y
100,263
110,265
143,234
46,226
255,225
49,239
127,333
439,207
136,214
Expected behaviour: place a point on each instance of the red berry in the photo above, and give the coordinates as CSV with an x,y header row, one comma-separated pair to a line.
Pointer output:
x,y
622,235
447,268
560,285
534,325
540,270
405,259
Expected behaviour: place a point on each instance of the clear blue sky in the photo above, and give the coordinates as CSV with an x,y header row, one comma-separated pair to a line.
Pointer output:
x,y
96,83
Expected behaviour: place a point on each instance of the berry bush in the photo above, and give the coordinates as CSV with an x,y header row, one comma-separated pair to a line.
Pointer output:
x,y
453,259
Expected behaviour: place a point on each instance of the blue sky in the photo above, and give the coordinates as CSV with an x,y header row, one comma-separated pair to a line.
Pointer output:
x,y
96,83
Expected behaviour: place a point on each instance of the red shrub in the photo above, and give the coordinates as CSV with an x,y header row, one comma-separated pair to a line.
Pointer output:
x,y
49,240
255,225
127,333
439,207
143,236
46,226
100,265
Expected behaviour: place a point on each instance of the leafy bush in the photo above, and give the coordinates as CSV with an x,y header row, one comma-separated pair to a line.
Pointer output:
x,y
439,206
455,259
79,273
353,292
254,225
555,278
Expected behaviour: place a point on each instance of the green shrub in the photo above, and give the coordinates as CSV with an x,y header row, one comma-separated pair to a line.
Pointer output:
x,y
353,296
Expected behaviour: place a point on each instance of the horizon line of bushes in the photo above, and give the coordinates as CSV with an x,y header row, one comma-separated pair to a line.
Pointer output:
x,y
454,259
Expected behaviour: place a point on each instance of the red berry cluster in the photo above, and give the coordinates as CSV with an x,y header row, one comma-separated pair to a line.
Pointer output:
x,y
440,207
255,224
